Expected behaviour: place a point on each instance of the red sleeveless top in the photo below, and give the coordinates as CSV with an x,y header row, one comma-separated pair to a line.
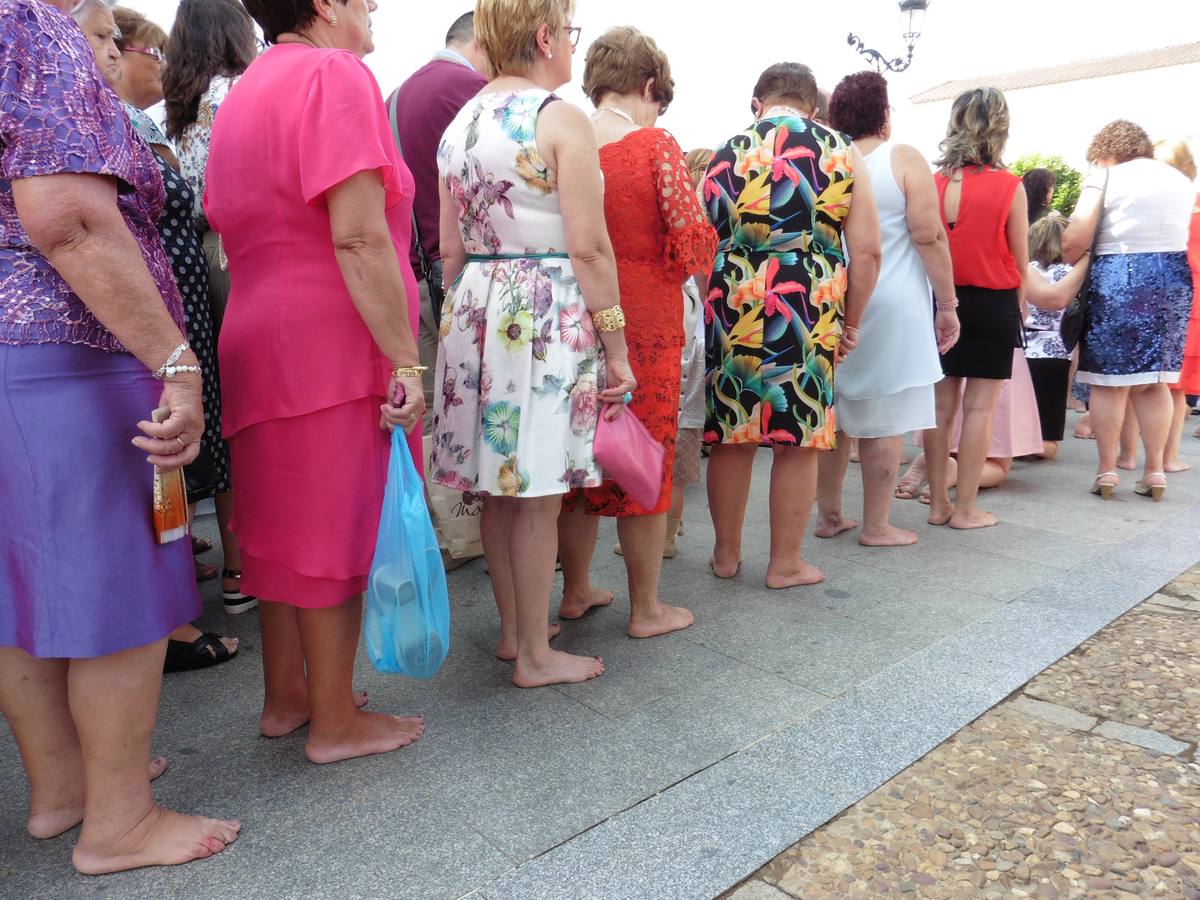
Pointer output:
x,y
978,245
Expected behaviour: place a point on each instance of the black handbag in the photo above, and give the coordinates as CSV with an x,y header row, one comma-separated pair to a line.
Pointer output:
x,y
1075,316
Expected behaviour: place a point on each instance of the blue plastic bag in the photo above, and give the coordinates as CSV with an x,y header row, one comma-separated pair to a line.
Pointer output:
x,y
408,609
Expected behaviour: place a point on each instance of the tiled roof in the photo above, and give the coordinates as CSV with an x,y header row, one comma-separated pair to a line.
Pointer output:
x,y
1179,55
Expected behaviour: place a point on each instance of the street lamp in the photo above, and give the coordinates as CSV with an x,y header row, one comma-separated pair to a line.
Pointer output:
x,y
915,10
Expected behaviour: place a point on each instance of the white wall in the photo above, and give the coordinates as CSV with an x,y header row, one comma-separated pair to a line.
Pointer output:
x,y
1060,119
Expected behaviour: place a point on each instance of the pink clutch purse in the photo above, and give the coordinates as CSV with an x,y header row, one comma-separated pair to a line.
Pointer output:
x,y
629,456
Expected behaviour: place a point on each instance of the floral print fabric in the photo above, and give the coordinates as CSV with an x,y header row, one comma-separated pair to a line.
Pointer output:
x,y
778,195
58,116
193,143
519,363
1042,337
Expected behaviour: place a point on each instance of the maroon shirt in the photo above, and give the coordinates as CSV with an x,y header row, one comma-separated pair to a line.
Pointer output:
x,y
425,105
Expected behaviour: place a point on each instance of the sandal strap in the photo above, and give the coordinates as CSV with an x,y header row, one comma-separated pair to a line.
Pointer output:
x,y
1116,475
231,573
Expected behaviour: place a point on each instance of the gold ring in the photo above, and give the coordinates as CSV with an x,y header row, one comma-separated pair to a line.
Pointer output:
x,y
182,445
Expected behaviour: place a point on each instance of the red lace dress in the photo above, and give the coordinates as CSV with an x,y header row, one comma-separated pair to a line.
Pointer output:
x,y
660,235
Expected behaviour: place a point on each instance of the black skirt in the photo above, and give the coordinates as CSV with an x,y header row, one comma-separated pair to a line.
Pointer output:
x,y
1050,377
990,329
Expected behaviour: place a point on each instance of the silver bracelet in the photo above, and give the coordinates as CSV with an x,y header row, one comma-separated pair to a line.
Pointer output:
x,y
167,369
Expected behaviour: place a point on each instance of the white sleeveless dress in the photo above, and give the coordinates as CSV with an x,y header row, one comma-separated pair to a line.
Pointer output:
x,y
885,386
519,365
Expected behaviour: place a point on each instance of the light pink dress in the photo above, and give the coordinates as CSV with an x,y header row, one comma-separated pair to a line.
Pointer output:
x,y
302,379
1016,428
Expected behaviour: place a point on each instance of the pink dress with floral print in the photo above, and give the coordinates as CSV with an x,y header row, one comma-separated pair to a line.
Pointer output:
x,y
519,363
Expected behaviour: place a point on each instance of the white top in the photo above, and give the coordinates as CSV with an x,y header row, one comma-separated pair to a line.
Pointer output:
x,y
1147,208
1043,338
896,348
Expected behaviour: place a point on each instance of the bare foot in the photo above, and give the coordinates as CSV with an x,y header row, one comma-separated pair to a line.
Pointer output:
x,y
911,482
722,567
939,513
557,668
52,818
1083,429
662,620
889,537
1176,465
1127,464
368,734
275,723
575,606
832,526
162,838
806,573
976,518
506,650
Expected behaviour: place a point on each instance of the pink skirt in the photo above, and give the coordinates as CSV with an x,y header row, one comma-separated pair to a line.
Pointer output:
x,y
1016,426
307,504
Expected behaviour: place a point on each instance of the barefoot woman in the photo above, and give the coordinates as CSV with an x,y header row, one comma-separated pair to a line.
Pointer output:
x,y
661,237
88,311
531,324
313,204
783,303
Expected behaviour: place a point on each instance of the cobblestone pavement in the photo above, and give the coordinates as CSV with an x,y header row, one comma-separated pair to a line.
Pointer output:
x,y
1084,784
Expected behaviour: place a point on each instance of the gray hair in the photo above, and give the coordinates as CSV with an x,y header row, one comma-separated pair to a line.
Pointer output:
x,y
81,7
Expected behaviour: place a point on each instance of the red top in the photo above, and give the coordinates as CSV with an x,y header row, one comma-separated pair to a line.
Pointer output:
x,y
978,243
298,122
425,105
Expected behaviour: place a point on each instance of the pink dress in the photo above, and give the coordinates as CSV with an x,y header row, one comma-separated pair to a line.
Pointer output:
x,y
1016,426
302,379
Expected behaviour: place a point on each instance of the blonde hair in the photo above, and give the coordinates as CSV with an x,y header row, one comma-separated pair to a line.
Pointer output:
x,y
697,162
1177,155
1045,239
136,30
977,132
622,60
507,30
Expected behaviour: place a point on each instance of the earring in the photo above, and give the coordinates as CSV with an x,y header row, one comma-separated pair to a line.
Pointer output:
x,y
333,19
549,55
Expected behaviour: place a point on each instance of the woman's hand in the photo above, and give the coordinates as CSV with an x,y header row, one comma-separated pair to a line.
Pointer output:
x,y
620,382
405,406
175,441
848,342
945,327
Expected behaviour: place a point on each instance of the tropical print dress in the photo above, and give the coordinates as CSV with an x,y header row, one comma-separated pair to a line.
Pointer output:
x,y
519,364
778,195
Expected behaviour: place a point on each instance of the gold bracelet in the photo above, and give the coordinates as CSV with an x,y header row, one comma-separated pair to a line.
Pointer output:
x,y
409,371
610,319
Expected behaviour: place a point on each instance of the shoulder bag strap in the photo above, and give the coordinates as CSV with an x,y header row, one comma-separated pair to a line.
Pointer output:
x,y
394,120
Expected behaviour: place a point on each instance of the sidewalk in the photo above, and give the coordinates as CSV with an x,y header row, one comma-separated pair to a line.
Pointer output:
x,y
697,758
1083,784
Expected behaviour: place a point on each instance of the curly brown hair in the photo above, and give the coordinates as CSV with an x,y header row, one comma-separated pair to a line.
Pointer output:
x,y
1121,141
622,60
977,132
859,105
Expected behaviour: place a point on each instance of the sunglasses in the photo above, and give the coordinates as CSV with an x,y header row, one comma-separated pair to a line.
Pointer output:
x,y
153,52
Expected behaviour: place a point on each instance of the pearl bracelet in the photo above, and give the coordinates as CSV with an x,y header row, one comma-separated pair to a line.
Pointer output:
x,y
409,371
170,370
948,305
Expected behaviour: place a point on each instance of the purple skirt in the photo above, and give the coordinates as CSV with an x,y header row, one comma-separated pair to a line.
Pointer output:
x,y
81,574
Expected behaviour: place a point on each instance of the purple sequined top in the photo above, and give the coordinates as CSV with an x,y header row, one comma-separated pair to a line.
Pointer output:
x,y
58,116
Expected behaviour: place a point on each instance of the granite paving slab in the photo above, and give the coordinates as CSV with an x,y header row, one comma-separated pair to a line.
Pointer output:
x,y
696,758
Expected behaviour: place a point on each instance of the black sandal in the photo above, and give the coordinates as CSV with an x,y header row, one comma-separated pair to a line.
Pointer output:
x,y
236,602
206,650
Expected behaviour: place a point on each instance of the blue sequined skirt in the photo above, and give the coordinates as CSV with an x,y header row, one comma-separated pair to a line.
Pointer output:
x,y
1137,319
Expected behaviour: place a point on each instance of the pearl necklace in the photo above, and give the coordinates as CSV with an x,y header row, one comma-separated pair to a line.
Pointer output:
x,y
619,113
789,110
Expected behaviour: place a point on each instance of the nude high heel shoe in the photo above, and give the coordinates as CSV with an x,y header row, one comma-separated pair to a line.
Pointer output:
x,y
1153,491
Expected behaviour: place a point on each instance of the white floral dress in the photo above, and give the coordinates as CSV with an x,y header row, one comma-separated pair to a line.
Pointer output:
x,y
519,363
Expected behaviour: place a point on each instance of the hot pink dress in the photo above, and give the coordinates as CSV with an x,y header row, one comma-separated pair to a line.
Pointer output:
x,y
302,379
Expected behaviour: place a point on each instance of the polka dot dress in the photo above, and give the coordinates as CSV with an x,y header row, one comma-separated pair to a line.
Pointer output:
x,y
209,474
